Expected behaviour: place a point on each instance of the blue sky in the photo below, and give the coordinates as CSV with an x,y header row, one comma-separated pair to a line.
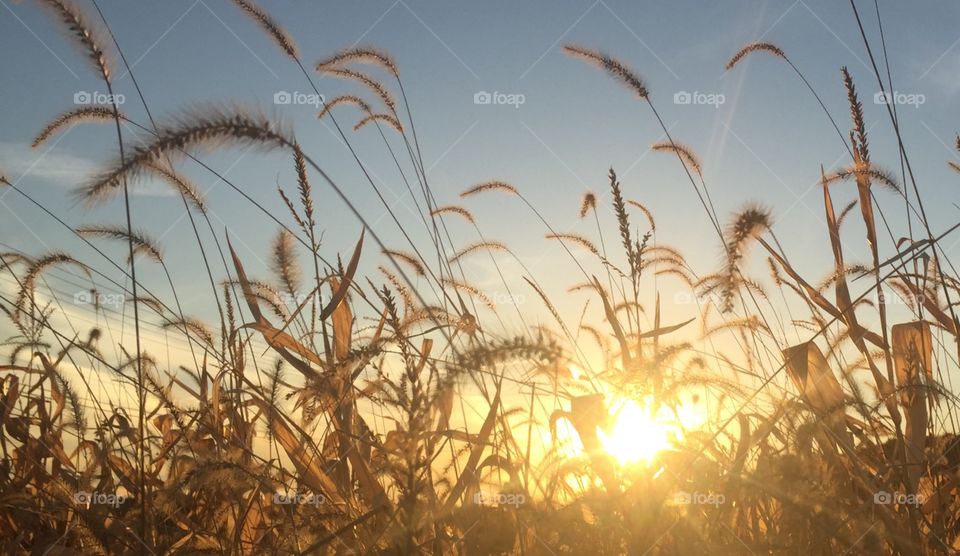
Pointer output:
x,y
764,143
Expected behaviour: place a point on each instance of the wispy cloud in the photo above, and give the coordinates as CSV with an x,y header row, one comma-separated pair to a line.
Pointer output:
x,y
18,161
57,166
943,74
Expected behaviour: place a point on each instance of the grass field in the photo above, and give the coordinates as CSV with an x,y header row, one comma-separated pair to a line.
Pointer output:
x,y
369,397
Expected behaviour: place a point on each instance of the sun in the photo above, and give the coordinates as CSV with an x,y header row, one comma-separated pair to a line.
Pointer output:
x,y
639,432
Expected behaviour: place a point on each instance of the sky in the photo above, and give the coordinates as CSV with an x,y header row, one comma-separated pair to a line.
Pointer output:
x,y
554,129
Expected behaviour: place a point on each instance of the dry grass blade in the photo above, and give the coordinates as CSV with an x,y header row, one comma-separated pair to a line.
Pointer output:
x,y
340,293
468,474
307,464
912,346
818,385
611,315
342,323
663,330
282,342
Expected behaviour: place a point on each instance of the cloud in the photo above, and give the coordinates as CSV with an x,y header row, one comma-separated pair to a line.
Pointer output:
x,y
943,74
19,161
58,167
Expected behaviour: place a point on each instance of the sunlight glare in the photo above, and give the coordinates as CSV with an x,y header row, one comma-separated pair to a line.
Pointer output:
x,y
637,435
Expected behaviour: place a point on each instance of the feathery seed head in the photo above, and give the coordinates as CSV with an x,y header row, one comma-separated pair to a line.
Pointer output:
x,y
467,215
490,186
755,47
684,152
612,66
588,203
193,130
263,19
88,37
82,114
344,99
360,55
